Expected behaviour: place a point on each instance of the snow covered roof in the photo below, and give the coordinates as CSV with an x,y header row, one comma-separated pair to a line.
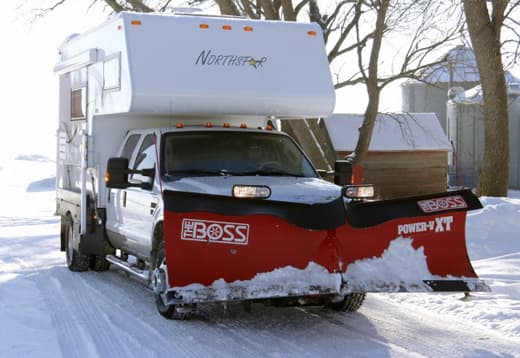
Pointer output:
x,y
513,89
460,64
392,132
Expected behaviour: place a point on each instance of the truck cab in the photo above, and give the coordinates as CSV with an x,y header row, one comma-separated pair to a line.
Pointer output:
x,y
208,160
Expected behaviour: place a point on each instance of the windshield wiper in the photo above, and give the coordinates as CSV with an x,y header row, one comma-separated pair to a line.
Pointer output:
x,y
266,173
194,172
225,172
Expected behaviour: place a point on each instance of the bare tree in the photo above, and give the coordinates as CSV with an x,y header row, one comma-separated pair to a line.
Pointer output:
x,y
485,30
425,27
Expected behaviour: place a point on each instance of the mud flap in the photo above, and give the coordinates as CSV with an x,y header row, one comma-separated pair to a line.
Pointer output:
x,y
221,249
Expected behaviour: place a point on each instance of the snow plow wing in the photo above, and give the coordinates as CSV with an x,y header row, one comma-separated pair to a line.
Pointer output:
x,y
222,249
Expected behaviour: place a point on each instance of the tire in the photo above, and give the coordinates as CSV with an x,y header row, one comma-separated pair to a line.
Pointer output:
x,y
160,285
76,261
98,263
350,303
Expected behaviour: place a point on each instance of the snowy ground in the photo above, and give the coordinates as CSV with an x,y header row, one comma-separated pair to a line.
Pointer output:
x,y
48,311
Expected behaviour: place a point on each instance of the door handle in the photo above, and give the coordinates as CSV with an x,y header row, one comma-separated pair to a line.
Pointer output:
x,y
153,207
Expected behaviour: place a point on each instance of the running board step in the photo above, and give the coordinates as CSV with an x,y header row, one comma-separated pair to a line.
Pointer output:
x,y
125,266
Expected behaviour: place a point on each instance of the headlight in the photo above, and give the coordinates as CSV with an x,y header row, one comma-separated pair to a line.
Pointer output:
x,y
359,191
251,191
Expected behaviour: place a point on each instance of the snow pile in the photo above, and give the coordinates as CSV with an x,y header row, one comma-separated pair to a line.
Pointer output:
x,y
494,230
493,240
311,280
400,268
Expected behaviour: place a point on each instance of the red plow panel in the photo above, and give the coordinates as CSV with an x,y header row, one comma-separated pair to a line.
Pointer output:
x,y
203,248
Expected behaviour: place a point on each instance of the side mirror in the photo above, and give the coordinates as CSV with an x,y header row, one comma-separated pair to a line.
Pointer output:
x,y
342,172
117,172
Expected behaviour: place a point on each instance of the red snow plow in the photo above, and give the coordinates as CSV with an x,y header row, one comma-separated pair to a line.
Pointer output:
x,y
220,248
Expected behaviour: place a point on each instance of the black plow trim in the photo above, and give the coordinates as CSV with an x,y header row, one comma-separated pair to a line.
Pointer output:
x,y
457,286
366,214
324,216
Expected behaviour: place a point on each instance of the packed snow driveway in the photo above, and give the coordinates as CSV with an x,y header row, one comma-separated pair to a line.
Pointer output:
x,y
48,311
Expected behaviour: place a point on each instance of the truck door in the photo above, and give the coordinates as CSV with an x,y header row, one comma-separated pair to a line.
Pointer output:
x,y
141,204
116,202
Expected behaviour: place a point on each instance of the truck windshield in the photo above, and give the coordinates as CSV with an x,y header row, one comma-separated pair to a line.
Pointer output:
x,y
232,153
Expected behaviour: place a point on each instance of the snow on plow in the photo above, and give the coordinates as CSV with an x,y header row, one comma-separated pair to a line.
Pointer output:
x,y
222,249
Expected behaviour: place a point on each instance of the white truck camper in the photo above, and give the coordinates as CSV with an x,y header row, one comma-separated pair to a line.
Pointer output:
x,y
170,167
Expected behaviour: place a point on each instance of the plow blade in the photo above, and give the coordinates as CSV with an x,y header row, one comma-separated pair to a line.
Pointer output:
x,y
224,249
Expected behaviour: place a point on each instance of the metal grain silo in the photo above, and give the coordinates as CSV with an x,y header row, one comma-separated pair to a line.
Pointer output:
x,y
466,132
429,94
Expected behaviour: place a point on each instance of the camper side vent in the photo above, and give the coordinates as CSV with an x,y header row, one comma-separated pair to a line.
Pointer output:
x,y
78,104
112,72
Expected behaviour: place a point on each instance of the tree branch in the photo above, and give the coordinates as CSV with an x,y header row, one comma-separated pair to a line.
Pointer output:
x,y
228,7
345,30
288,10
300,6
248,9
115,5
139,5
269,11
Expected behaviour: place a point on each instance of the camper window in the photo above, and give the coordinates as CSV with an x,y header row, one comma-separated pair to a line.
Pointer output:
x,y
130,145
145,159
77,104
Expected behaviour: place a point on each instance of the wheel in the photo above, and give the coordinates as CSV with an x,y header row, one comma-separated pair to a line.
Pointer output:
x,y
98,263
160,286
76,261
350,303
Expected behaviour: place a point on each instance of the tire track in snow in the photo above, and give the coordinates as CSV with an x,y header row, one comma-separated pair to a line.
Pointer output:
x,y
209,332
72,330
87,319
294,332
133,312
421,332
267,331
243,330
126,317
192,338
351,324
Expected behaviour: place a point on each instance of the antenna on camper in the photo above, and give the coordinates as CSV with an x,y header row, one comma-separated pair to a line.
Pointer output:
x,y
186,10
171,112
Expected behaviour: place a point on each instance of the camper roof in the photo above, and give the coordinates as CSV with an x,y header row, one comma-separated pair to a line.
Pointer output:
x,y
195,65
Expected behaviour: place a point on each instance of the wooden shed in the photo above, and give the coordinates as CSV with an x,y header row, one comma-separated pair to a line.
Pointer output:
x,y
408,153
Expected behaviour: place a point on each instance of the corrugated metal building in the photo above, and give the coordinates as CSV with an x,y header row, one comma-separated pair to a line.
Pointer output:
x,y
431,93
466,131
408,153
